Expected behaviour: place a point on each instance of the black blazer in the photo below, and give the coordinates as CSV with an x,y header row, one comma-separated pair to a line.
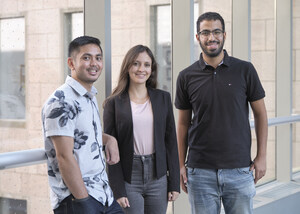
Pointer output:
x,y
117,118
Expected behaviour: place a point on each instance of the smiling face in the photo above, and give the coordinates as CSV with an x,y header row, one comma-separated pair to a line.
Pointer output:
x,y
140,70
86,65
211,45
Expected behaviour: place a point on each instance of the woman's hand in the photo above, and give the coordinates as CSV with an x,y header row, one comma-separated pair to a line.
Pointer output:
x,y
172,196
123,202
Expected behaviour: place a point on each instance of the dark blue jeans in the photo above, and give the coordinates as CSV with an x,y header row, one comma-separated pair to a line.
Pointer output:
x,y
86,206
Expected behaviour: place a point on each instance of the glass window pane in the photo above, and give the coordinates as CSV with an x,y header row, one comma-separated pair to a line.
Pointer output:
x,y
77,25
163,45
296,84
197,49
73,28
12,68
15,206
263,59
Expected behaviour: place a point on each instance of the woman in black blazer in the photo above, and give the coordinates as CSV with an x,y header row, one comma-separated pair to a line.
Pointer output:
x,y
141,118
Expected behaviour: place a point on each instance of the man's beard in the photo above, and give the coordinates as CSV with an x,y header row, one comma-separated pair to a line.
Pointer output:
x,y
214,53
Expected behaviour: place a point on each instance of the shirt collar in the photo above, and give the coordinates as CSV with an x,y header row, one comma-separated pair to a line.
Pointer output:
x,y
79,88
218,65
225,61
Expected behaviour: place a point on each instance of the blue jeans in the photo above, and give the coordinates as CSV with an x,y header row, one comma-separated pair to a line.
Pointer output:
x,y
86,206
207,188
146,193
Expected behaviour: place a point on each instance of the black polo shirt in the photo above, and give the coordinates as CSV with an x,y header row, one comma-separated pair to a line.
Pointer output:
x,y
219,136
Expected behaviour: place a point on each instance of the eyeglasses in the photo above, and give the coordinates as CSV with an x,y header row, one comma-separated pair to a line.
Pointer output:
x,y
206,33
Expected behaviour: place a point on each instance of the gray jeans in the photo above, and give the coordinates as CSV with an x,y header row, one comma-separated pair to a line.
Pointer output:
x,y
146,193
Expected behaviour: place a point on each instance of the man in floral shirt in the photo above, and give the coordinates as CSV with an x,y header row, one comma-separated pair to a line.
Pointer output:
x,y
74,139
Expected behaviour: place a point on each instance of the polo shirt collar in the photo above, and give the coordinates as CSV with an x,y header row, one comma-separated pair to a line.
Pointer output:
x,y
225,61
79,88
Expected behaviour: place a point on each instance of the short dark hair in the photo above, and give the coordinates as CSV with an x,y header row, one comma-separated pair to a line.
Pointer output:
x,y
210,16
81,41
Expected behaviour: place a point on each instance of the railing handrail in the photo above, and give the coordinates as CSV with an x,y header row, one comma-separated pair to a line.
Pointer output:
x,y
38,156
280,120
22,158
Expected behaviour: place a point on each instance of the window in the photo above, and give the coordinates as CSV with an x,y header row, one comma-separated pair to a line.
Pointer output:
x,y
197,49
14,206
161,44
73,28
12,68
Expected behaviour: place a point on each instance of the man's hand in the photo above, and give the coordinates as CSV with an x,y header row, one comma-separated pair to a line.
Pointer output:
x,y
111,149
123,202
259,166
172,196
183,179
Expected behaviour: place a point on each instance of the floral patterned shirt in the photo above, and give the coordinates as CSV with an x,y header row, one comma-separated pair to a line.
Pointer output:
x,y
72,111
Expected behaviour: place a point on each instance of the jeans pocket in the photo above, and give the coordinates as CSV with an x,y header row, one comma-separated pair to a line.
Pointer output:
x,y
190,171
244,170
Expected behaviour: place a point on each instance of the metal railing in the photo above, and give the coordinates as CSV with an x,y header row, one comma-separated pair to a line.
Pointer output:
x,y
22,158
280,120
38,156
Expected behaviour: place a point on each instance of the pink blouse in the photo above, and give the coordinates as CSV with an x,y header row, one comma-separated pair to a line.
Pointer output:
x,y
142,119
